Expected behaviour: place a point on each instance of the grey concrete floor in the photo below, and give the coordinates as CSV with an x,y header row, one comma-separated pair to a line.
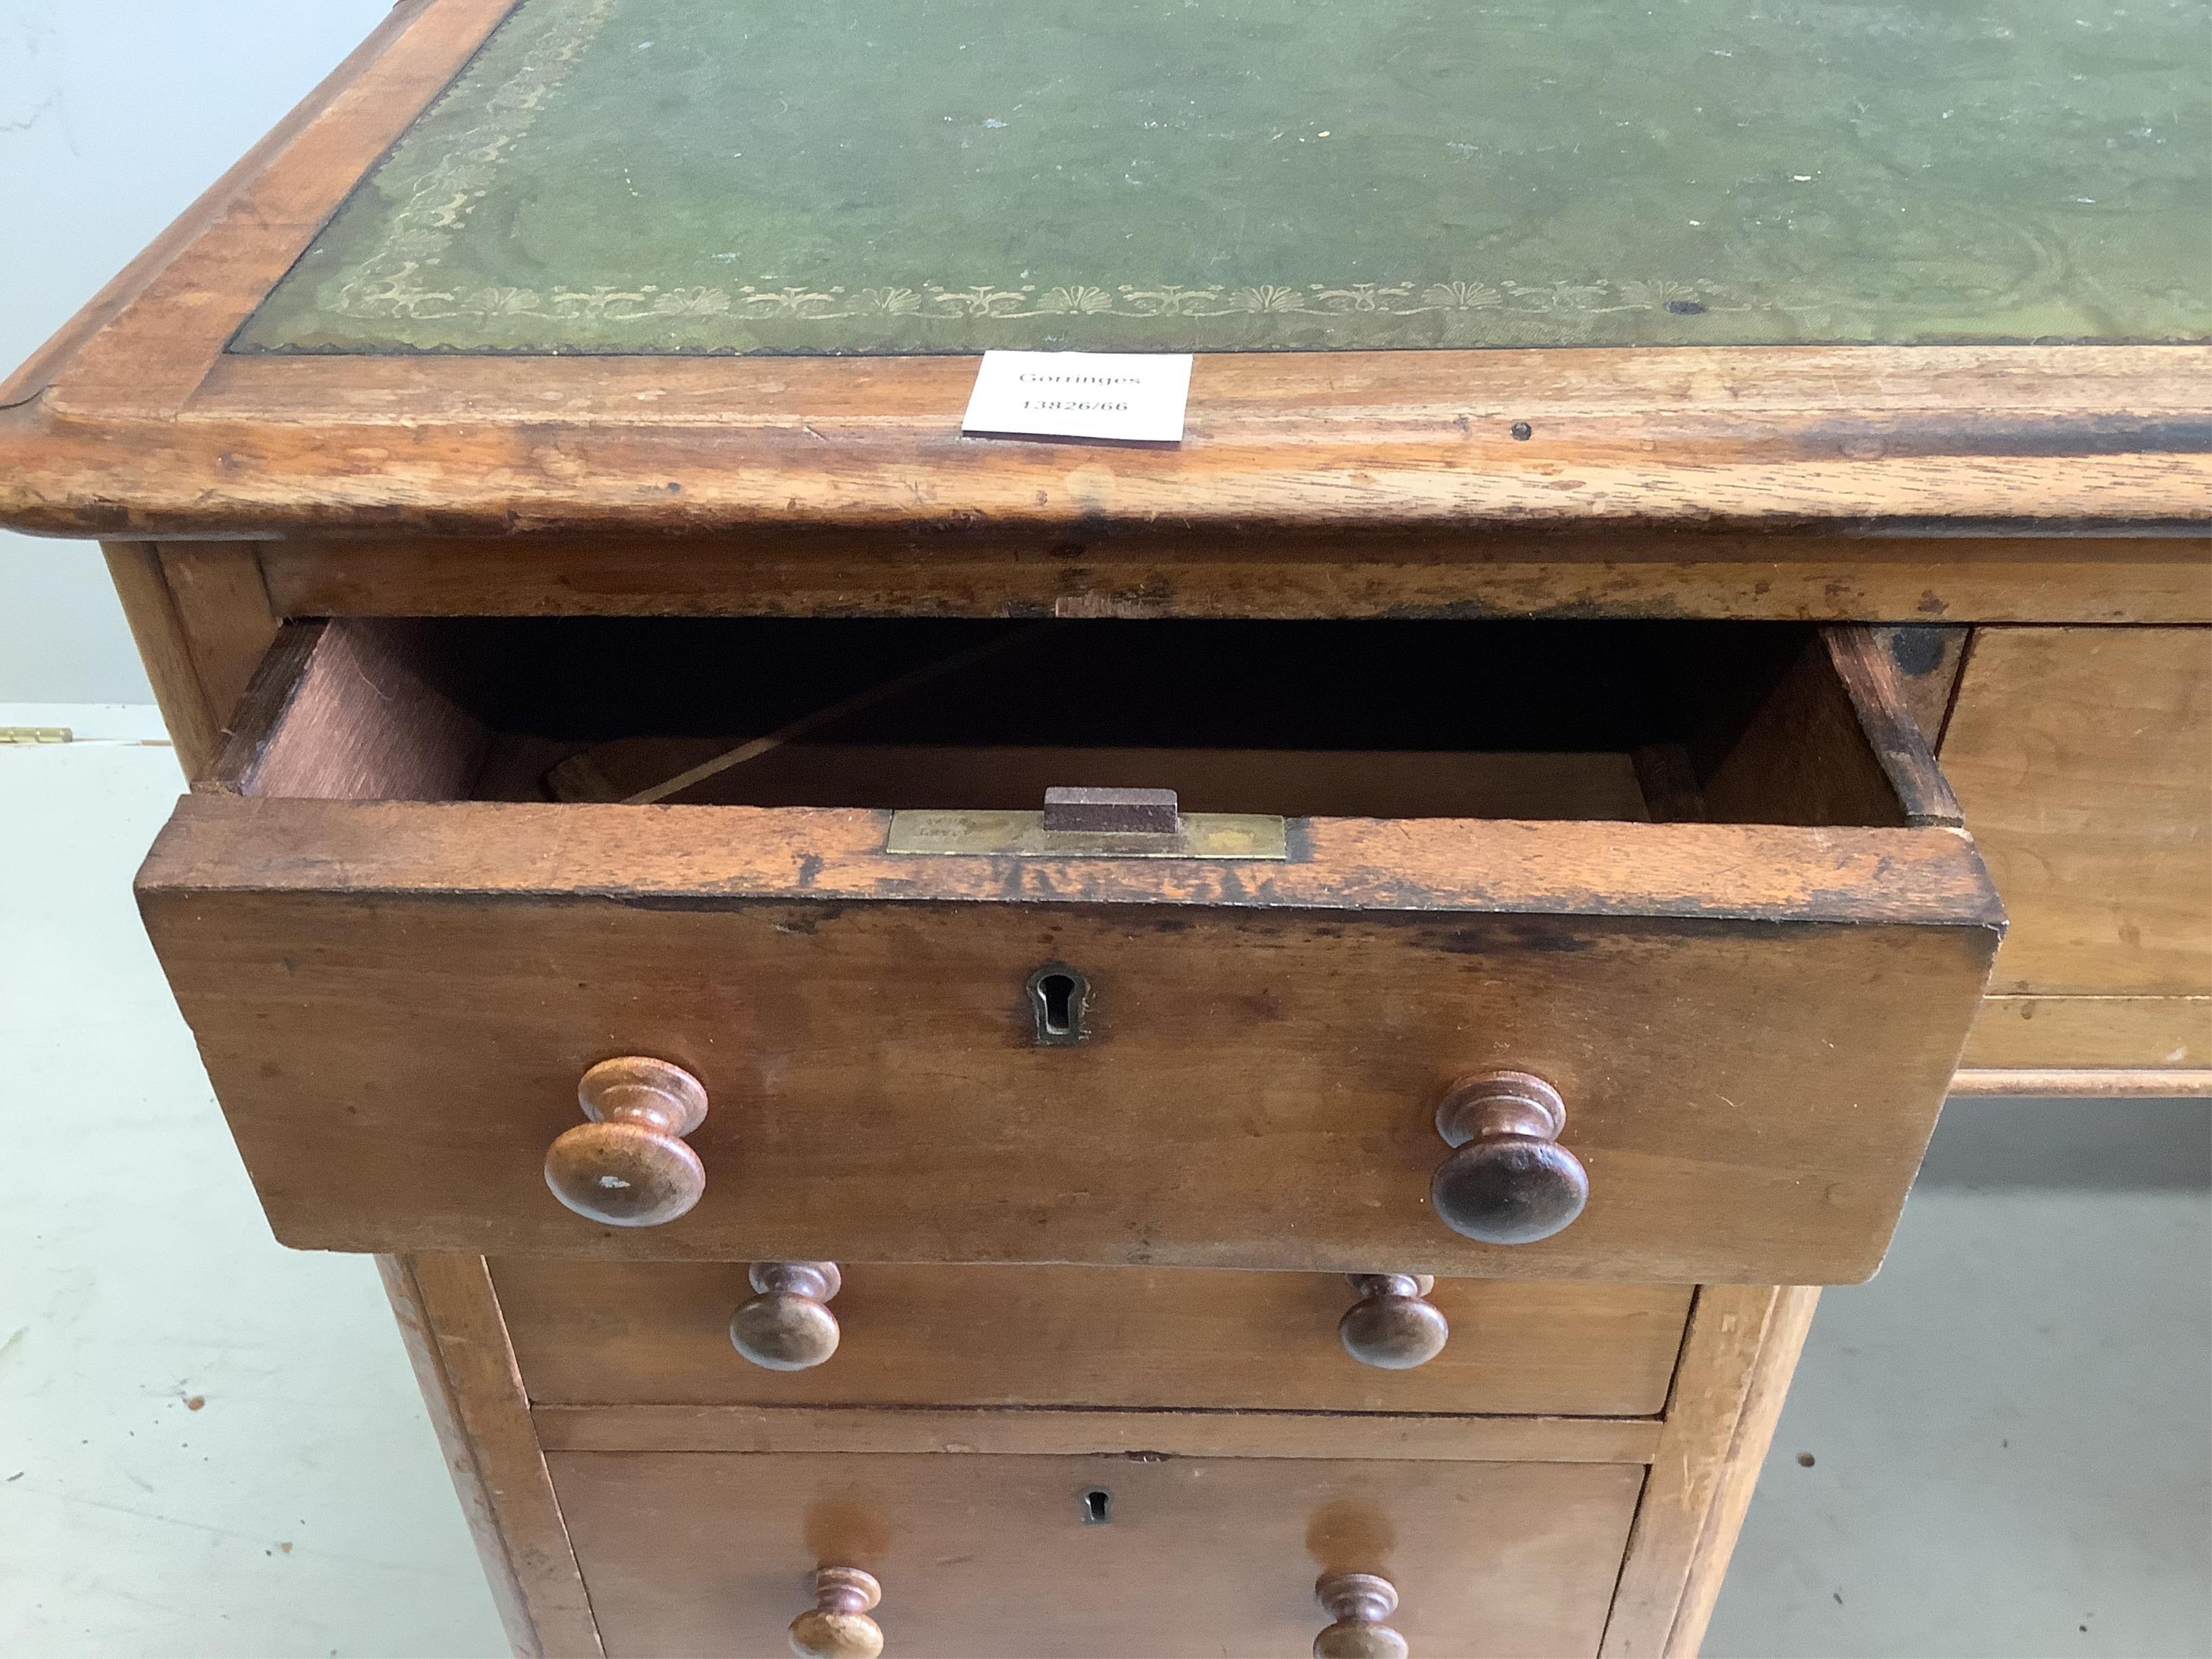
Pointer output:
x,y
209,1445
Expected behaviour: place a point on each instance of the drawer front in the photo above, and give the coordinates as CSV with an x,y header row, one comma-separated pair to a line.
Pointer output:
x,y
1748,1025
1261,1089
658,1333
2084,756
1025,1558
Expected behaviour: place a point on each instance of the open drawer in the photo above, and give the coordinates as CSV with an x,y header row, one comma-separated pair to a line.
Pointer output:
x,y
1672,927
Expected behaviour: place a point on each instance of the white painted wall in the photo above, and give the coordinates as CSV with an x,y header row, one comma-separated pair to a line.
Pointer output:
x,y
114,114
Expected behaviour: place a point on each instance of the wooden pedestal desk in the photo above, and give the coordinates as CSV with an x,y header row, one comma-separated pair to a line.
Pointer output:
x,y
836,1197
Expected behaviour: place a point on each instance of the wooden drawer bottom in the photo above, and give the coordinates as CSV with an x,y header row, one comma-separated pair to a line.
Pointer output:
x,y
1136,1557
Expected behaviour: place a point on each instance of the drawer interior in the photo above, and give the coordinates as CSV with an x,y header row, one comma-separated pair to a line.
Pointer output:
x,y
1633,721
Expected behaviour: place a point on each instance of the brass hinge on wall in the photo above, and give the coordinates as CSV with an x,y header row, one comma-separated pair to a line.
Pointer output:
x,y
35,734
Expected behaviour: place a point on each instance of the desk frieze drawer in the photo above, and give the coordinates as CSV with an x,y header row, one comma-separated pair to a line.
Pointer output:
x,y
1027,1558
660,1333
1596,951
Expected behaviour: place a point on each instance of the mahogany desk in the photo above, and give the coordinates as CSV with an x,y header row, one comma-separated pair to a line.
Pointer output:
x,y
1688,522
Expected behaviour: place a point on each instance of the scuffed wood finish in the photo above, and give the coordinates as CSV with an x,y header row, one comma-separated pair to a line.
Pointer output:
x,y
223,606
144,428
458,1343
1409,438
1835,743
158,629
1297,782
1691,1472
2087,1083
2048,1033
1778,1352
658,1334
714,1554
1865,668
1496,571
394,1055
201,618
1753,1022
394,1000
724,855
1925,659
2083,758
1419,1438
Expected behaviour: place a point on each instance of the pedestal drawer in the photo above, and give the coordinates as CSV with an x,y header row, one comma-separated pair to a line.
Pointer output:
x,y
1093,1558
600,1332
1615,952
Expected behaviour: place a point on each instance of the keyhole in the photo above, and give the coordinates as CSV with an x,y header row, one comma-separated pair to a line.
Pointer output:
x,y
1057,996
1058,1004
1097,1504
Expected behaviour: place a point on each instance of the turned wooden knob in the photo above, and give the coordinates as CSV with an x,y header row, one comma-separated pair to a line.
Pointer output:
x,y
1510,1182
629,1166
837,1626
1359,1602
786,1327
1390,1326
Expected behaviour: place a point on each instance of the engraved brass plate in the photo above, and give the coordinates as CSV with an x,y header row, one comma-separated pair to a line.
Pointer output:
x,y
1023,835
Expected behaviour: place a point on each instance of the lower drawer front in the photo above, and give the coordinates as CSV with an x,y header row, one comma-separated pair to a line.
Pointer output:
x,y
1008,1557
605,1332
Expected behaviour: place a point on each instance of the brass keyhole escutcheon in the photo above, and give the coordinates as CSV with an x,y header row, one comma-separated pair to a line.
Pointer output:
x,y
1060,1005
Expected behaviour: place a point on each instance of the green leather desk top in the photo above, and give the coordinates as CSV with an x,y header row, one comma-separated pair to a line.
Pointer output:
x,y
947,175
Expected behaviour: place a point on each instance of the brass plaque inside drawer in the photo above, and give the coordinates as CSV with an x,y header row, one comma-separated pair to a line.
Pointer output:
x,y
1023,835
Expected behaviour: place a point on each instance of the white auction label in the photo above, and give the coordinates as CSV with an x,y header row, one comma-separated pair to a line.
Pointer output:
x,y
1137,397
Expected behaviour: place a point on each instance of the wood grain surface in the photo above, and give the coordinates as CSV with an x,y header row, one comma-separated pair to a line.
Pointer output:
x,y
713,1553
1751,1021
2159,1033
1926,659
140,425
1411,440
658,1334
224,605
2086,1082
396,1050
455,1338
1778,1351
1153,572
1692,1470
338,713
2083,759
166,649
625,855
963,1431
134,422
